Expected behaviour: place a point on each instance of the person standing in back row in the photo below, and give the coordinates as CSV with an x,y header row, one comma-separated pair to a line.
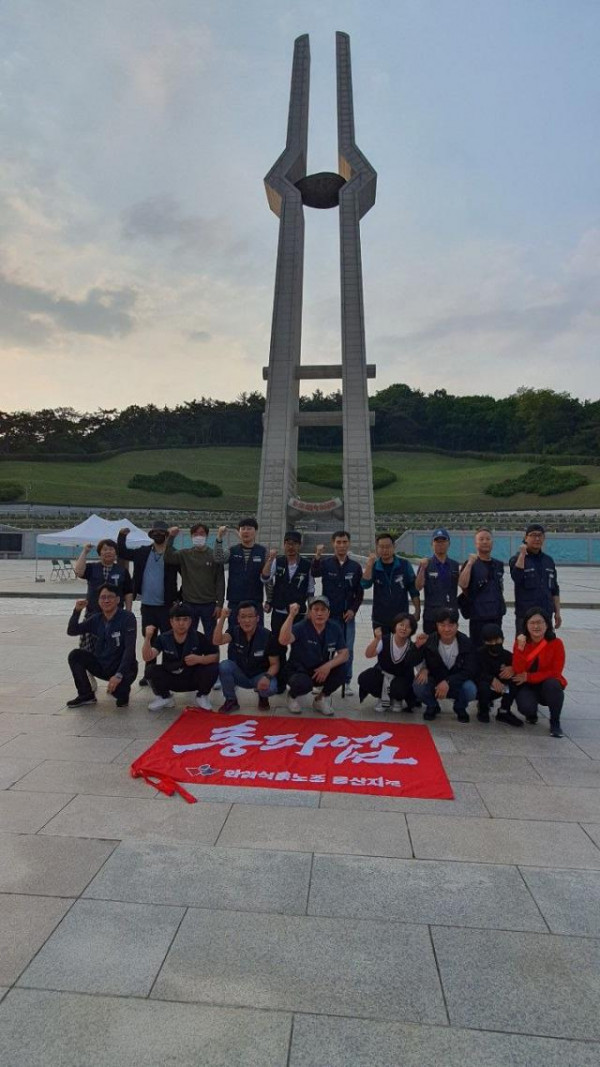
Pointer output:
x,y
202,578
341,578
534,575
438,577
481,579
246,562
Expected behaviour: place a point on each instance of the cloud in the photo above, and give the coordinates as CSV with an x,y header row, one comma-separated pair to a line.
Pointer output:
x,y
32,315
199,335
160,218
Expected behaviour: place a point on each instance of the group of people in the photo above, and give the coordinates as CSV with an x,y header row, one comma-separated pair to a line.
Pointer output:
x,y
308,647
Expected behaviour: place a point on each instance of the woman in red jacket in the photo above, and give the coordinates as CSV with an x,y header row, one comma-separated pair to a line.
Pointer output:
x,y
538,662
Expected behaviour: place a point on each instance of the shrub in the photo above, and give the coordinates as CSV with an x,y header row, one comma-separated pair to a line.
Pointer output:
x,y
11,491
330,475
172,482
544,481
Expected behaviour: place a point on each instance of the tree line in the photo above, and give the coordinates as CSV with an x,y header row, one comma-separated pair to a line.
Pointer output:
x,y
537,421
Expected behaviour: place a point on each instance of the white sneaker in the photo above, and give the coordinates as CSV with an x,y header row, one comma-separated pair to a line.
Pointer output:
x,y
93,681
217,685
161,702
203,702
293,706
396,707
322,704
382,706
349,691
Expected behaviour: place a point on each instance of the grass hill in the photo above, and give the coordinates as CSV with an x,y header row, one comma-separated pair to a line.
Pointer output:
x,y
425,482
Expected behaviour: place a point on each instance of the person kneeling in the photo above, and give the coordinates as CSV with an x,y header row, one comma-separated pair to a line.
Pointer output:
x,y
189,661
317,658
113,658
252,657
538,661
494,676
450,667
392,679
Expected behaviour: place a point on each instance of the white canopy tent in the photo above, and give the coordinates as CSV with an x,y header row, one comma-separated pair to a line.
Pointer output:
x,y
92,529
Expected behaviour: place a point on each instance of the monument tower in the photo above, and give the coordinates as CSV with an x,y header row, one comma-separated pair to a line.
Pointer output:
x,y
289,190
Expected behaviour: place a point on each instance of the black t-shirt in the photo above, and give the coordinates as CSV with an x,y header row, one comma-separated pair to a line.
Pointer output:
x,y
252,657
174,653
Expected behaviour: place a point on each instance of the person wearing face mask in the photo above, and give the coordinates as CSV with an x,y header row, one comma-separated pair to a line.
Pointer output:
x,y
494,675
202,577
154,581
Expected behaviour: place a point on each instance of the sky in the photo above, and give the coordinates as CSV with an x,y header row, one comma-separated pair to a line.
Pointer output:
x,y
137,249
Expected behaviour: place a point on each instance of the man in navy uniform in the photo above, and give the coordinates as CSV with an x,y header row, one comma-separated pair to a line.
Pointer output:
x,y
341,578
318,656
534,574
252,657
288,581
189,661
438,577
246,562
481,579
113,659
393,581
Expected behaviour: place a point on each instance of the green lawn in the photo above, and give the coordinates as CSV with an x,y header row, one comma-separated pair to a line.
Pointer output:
x,y
426,482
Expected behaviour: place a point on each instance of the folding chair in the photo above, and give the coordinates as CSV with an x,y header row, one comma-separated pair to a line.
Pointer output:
x,y
56,574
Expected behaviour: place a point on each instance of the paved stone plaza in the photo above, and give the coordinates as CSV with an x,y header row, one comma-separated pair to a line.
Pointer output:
x,y
291,929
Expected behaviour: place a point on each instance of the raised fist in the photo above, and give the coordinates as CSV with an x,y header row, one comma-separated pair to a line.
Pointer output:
x,y
88,547
150,631
371,559
224,613
521,642
173,531
472,557
377,632
221,531
319,550
423,563
294,610
272,554
80,605
124,531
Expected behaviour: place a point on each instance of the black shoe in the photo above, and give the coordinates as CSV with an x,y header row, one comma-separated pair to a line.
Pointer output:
x,y
483,716
463,716
430,713
123,702
144,681
508,718
531,720
78,702
263,704
556,729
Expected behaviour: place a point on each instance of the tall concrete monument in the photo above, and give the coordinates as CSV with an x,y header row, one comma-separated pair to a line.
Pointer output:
x,y
289,190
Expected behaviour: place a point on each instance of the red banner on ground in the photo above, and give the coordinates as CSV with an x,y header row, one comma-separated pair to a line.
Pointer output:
x,y
332,755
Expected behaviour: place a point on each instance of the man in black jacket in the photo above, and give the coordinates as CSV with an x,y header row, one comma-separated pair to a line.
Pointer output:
x,y
450,667
153,579
113,658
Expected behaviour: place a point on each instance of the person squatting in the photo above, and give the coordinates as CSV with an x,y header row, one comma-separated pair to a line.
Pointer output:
x,y
307,650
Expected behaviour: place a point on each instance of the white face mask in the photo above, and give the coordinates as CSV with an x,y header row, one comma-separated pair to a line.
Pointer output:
x,y
198,541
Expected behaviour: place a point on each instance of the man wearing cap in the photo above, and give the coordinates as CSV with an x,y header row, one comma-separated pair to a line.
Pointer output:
x,y
288,581
246,562
153,580
534,575
318,655
481,579
438,577
189,661
252,657
341,577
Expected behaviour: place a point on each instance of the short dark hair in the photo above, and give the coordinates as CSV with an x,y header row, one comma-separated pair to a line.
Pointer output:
x,y
405,617
384,537
108,588
181,611
106,541
247,604
340,533
549,635
248,522
199,526
446,615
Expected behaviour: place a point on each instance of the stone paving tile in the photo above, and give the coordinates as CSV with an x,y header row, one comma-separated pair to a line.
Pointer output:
x,y
3,993
99,779
534,843
522,983
58,867
570,772
593,830
66,747
467,801
134,749
105,946
422,891
552,803
484,768
242,879
25,923
44,1029
11,770
127,726
588,748
240,794
323,1041
120,817
529,741
71,722
317,830
26,813
568,900
583,729
289,963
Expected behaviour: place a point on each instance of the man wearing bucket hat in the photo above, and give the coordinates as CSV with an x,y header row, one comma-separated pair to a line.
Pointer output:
x,y
534,574
153,579
438,577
